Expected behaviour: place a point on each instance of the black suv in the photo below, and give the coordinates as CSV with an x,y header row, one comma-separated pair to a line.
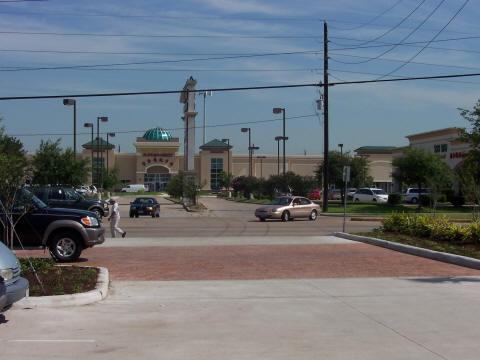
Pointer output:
x,y
65,232
144,206
67,197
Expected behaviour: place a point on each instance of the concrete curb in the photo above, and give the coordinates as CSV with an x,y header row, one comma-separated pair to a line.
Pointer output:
x,y
89,297
412,250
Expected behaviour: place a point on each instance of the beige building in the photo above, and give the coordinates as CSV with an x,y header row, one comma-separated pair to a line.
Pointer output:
x,y
380,165
157,158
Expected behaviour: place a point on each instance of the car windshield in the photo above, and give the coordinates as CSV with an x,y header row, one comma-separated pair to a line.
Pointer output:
x,y
143,201
28,195
380,192
281,201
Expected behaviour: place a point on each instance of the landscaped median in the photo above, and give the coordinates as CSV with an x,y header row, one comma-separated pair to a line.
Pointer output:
x,y
429,236
62,285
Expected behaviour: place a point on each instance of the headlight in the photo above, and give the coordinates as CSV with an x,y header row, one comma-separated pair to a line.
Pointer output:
x,y
150,208
7,274
89,221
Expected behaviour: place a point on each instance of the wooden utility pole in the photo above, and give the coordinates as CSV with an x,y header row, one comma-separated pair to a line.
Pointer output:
x,y
325,118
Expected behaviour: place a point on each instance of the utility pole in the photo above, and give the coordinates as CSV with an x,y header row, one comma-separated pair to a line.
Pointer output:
x,y
325,118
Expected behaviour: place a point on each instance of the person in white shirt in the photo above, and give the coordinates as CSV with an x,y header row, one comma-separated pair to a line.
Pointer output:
x,y
114,218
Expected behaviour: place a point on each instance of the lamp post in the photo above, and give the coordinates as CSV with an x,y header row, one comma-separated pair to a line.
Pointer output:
x,y
277,139
341,149
205,94
111,134
278,111
249,151
69,102
99,149
252,149
228,155
90,125
261,164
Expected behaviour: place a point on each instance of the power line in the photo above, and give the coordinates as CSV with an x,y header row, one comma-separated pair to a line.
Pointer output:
x,y
403,39
236,88
67,67
372,20
173,129
163,36
426,45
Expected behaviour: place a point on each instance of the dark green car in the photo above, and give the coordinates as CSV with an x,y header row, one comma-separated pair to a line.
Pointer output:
x,y
67,197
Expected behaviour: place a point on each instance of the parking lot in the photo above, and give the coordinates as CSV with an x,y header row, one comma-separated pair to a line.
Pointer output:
x,y
221,284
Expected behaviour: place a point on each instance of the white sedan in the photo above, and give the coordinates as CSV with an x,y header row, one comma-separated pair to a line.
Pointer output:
x,y
370,194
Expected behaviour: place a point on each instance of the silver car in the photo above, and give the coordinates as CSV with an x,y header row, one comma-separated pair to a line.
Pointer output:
x,y
16,287
288,208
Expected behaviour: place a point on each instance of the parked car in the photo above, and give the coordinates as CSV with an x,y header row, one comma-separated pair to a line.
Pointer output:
x,y
334,194
144,206
67,197
65,232
371,194
412,195
350,193
288,208
12,287
134,188
315,194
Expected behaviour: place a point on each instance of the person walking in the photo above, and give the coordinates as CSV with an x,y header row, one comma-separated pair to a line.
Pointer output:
x,y
114,218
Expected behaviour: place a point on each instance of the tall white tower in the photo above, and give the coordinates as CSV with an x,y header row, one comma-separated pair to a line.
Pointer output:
x,y
187,97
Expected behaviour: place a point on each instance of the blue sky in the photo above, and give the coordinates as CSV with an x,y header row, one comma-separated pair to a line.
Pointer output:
x,y
166,38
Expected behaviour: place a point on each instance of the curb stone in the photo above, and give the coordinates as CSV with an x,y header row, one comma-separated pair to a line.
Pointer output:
x,y
99,293
412,250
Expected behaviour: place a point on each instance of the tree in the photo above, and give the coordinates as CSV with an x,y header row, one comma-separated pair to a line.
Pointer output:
x,y
225,179
13,171
469,172
422,168
358,170
52,165
110,179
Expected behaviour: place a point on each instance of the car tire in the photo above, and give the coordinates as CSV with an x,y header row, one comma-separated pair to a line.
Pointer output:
x,y
414,200
357,199
374,200
285,216
136,215
262,219
98,211
313,215
65,246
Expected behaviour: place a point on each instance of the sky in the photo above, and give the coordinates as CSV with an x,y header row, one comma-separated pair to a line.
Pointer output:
x,y
62,48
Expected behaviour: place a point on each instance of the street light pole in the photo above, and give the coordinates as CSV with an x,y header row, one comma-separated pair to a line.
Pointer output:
x,y
252,150
277,139
90,125
261,165
278,111
249,151
99,149
69,102
228,162
112,134
341,150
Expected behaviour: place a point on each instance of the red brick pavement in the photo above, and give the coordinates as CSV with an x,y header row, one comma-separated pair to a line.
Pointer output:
x,y
260,262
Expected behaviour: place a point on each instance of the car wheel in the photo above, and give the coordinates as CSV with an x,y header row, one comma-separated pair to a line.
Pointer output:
x,y
374,200
262,219
313,215
65,246
98,212
357,199
285,216
414,200
136,215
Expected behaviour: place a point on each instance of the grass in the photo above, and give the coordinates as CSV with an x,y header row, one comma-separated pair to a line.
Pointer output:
x,y
57,280
469,250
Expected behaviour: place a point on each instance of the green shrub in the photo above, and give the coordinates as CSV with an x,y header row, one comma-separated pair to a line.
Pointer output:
x,y
40,264
394,199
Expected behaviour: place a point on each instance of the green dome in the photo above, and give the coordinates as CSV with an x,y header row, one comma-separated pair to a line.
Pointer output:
x,y
157,134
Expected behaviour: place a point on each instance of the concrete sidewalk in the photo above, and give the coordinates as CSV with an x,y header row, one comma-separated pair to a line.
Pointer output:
x,y
345,319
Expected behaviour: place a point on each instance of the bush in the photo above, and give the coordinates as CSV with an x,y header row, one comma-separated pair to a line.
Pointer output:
x,y
458,200
394,199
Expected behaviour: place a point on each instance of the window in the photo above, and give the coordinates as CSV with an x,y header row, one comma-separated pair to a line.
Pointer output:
x,y
216,167
304,201
57,194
